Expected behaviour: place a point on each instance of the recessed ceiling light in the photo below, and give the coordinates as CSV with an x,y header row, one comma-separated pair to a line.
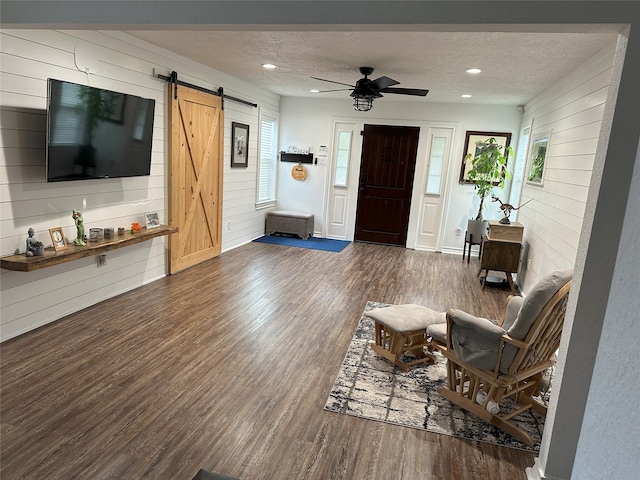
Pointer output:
x,y
314,91
473,70
268,66
465,95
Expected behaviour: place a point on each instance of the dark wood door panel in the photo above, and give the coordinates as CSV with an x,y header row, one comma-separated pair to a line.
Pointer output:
x,y
385,184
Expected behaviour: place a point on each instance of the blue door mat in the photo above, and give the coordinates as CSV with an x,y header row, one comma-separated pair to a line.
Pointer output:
x,y
326,244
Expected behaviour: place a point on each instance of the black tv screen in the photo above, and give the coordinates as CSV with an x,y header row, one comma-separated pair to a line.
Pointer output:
x,y
96,133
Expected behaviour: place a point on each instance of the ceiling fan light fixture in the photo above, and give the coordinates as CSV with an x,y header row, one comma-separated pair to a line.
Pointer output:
x,y
362,103
365,91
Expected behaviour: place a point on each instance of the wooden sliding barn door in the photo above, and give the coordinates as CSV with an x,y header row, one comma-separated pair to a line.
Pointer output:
x,y
195,177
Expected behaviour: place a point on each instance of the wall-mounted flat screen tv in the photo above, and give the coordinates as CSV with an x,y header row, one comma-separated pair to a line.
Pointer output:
x,y
96,133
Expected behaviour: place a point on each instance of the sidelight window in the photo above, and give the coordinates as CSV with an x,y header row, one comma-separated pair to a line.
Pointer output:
x,y
343,152
436,163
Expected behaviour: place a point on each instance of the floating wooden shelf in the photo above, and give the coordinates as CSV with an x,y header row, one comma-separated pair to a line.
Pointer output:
x,y
22,263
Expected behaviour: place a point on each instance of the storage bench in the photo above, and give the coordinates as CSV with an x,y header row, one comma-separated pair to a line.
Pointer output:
x,y
286,221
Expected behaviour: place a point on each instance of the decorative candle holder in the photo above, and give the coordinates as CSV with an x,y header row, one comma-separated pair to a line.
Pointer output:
x,y
95,234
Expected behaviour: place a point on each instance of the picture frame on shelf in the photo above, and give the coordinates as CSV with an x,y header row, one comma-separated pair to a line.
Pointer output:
x,y
471,139
239,145
538,155
151,219
57,238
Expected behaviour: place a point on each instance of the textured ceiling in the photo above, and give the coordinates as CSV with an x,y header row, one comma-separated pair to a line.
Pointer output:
x,y
516,66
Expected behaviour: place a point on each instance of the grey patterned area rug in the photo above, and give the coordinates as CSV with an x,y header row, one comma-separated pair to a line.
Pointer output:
x,y
369,386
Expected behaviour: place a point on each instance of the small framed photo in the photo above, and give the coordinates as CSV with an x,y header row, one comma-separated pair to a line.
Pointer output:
x,y
57,238
151,219
239,145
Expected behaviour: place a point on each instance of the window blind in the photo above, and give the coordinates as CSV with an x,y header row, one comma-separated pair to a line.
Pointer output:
x,y
267,163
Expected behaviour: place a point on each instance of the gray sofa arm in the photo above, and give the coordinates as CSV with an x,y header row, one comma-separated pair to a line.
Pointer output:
x,y
475,340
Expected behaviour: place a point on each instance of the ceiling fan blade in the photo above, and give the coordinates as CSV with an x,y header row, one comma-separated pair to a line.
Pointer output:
x,y
337,90
331,81
384,82
406,91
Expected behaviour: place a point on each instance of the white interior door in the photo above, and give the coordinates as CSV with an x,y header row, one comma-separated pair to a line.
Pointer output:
x,y
434,189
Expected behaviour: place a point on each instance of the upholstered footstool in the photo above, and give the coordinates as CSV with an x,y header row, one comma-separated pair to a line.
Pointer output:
x,y
403,328
286,221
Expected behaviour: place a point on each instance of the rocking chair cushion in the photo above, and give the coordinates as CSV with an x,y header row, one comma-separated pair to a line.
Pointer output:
x,y
513,307
475,340
536,300
406,318
438,332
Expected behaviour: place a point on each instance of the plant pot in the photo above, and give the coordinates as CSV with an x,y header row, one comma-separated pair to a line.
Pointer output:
x,y
475,230
39,251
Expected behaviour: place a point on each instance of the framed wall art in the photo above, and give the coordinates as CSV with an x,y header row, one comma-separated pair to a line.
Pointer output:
x,y
470,149
538,154
239,145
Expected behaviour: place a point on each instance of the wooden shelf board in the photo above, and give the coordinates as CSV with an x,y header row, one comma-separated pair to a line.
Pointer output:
x,y
22,263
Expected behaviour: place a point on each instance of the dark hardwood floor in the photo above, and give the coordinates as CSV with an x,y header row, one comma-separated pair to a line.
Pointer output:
x,y
227,366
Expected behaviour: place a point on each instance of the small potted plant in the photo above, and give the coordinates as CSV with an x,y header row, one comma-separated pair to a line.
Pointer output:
x,y
488,169
39,248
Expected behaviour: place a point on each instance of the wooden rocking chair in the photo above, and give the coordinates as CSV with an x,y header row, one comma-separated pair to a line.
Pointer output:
x,y
487,363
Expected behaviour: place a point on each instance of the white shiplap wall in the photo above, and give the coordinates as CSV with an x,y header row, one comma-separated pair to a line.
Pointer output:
x,y
117,62
572,111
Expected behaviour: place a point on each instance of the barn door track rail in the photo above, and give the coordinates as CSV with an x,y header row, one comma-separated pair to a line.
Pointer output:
x,y
173,79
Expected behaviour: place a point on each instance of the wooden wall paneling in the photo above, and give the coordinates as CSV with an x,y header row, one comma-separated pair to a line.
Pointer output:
x,y
572,109
576,133
575,162
592,68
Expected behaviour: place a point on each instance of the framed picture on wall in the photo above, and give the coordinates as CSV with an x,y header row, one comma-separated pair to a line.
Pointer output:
x,y
470,149
538,154
239,145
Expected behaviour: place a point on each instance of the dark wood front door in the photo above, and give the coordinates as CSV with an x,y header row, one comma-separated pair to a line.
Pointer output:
x,y
386,181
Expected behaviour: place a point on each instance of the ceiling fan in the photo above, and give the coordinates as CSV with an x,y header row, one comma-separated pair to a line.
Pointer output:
x,y
366,90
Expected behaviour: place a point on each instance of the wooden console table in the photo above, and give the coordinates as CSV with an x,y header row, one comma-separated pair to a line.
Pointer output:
x,y
22,263
500,250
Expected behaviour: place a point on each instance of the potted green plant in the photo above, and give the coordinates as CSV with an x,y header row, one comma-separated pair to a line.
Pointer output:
x,y
39,248
488,170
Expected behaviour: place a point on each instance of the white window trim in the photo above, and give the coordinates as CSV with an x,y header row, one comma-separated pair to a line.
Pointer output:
x,y
261,204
